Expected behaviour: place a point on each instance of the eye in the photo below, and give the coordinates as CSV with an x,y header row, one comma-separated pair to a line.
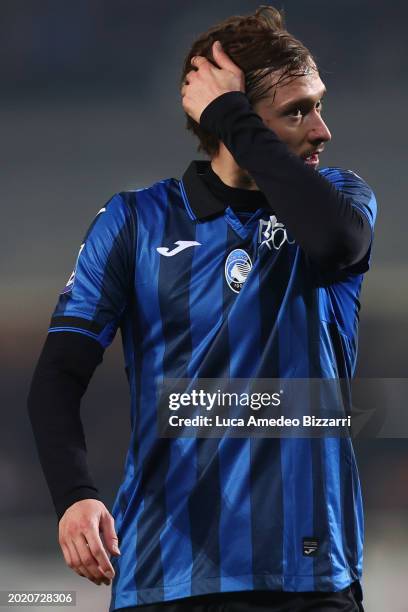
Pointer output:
x,y
296,113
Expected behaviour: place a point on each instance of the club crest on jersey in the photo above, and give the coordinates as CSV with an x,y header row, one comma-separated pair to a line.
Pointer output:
x,y
237,268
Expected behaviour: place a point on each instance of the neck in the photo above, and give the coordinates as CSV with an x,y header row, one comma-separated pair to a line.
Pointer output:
x,y
224,165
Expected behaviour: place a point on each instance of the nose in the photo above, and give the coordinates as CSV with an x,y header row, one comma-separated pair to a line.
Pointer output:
x,y
319,130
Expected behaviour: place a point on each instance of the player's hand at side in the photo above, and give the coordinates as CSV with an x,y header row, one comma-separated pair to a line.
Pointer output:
x,y
80,531
206,82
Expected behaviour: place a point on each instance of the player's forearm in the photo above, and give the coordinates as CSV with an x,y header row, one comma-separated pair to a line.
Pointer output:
x,y
61,377
320,218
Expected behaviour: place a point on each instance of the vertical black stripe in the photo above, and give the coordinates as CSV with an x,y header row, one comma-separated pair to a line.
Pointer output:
x,y
205,500
129,326
349,527
204,509
216,361
117,266
266,468
174,294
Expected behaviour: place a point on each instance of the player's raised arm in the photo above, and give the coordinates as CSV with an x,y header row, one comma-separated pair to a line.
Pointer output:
x,y
278,143
83,324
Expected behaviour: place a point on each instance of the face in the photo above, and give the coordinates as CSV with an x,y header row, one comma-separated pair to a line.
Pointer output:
x,y
295,115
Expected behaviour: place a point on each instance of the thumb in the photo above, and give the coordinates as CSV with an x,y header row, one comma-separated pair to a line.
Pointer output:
x,y
222,59
107,526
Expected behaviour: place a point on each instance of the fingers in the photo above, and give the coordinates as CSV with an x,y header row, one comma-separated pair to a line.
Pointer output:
x,y
89,562
73,561
81,545
67,556
199,60
110,539
190,75
98,552
78,566
223,60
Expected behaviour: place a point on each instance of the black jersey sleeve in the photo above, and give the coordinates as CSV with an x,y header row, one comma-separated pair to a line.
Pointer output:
x,y
332,232
61,377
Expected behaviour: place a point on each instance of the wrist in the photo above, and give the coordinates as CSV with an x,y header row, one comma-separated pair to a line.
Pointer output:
x,y
213,114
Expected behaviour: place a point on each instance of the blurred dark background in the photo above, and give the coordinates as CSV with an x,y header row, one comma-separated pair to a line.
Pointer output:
x,y
91,106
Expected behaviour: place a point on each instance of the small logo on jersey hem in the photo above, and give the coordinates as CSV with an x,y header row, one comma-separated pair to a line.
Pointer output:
x,y
182,244
310,547
237,267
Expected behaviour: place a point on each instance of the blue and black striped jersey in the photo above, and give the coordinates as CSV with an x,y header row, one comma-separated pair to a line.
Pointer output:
x,y
234,298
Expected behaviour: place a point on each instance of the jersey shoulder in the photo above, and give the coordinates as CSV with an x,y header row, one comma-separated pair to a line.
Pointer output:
x,y
354,186
344,178
157,190
153,198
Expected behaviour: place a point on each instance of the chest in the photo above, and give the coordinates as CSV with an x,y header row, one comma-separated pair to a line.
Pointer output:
x,y
223,259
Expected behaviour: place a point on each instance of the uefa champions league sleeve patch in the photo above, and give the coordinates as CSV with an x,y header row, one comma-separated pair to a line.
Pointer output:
x,y
70,281
237,267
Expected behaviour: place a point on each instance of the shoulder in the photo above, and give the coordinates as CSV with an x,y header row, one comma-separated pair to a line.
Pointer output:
x,y
355,188
149,204
345,179
157,191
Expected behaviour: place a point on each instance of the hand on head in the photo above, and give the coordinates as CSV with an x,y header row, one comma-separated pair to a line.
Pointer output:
x,y
207,81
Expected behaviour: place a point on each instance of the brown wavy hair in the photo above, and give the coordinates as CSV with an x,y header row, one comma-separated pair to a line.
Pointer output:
x,y
260,45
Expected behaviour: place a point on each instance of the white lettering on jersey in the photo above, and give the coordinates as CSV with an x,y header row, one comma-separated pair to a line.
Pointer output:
x,y
275,234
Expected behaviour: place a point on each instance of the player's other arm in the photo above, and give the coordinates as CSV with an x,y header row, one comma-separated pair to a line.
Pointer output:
x,y
84,323
61,377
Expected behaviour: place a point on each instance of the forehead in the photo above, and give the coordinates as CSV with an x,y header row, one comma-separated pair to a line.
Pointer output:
x,y
296,88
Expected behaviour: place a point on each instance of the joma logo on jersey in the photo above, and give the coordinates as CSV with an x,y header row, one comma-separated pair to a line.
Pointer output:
x,y
272,233
182,244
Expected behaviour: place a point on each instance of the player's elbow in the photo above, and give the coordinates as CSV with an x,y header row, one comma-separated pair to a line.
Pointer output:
x,y
342,249
353,244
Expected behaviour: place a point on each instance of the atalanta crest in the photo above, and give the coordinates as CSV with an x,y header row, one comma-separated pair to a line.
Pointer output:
x,y
237,268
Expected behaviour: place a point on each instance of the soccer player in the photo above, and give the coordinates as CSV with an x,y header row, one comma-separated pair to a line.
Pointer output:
x,y
249,266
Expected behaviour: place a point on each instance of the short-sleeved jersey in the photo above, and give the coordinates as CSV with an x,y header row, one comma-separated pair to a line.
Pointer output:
x,y
234,298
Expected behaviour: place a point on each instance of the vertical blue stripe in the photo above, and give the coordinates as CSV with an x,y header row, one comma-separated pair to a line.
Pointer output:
x,y
295,452
322,566
234,454
171,557
266,462
102,275
205,503
206,292
122,508
349,490
147,499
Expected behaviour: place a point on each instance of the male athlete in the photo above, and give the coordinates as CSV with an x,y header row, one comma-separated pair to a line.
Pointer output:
x,y
250,266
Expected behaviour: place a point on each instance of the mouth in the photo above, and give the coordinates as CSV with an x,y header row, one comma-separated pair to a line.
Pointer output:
x,y
312,159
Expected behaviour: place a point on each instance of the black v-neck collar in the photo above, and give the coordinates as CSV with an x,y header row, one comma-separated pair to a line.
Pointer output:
x,y
207,195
